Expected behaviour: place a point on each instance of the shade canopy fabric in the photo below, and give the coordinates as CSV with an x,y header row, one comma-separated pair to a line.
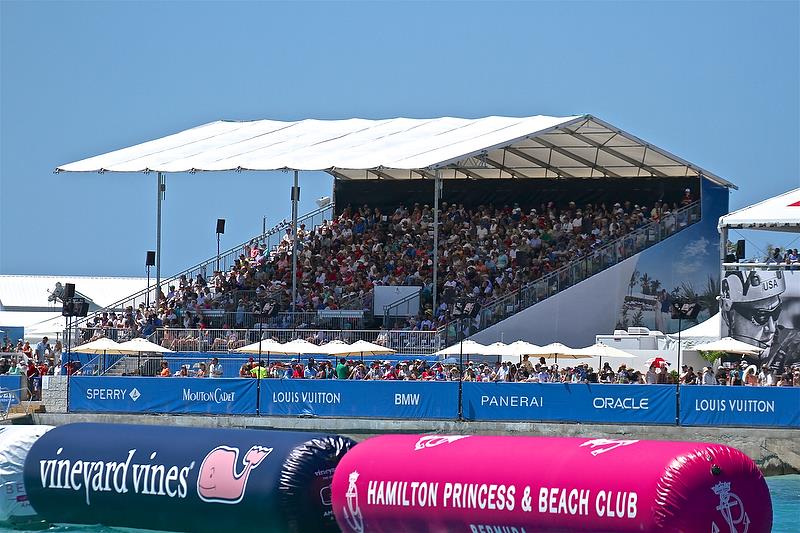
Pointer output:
x,y
362,347
141,345
265,347
605,351
297,346
779,213
468,347
556,349
102,345
404,148
729,345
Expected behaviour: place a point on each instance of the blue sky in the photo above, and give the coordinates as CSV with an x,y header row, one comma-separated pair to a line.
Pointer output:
x,y
717,83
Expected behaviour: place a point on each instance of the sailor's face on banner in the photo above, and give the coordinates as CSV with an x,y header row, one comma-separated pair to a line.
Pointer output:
x,y
755,322
751,301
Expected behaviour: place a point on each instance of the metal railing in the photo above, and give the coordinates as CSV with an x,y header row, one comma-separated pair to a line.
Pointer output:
x,y
400,310
576,271
226,260
227,340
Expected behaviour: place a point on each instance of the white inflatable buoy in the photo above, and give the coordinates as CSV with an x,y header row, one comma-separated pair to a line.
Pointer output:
x,y
15,443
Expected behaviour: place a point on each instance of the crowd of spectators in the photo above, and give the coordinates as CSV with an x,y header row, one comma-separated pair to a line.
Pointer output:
x,y
526,371
485,253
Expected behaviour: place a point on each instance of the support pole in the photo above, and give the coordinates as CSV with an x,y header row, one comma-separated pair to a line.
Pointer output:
x,y
436,194
295,200
678,385
161,187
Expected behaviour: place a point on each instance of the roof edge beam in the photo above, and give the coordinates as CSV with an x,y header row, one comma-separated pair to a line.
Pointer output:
x,y
616,154
575,157
547,166
502,168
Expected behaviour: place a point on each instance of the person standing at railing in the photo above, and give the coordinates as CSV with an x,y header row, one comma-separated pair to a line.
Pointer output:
x,y
215,368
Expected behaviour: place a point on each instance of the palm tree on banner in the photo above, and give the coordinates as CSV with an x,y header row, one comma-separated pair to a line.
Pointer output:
x,y
645,281
654,286
633,281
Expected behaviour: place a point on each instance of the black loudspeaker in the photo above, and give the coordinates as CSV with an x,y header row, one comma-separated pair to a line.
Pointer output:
x,y
740,249
730,258
68,308
69,291
81,308
151,259
220,225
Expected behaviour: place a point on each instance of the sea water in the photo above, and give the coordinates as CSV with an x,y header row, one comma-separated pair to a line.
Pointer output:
x,y
785,491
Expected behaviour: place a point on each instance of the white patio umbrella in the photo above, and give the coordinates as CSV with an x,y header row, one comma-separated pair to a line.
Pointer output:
x,y
468,347
363,348
499,348
336,347
102,345
299,347
556,350
139,345
728,345
602,350
518,349
266,346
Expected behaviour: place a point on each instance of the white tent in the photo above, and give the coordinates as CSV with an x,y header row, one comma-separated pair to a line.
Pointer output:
x,y
705,331
779,213
403,148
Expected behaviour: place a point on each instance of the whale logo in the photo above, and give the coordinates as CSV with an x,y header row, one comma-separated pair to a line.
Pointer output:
x,y
218,481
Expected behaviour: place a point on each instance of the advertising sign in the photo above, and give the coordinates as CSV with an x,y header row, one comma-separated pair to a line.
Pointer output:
x,y
162,395
9,391
370,399
565,402
740,406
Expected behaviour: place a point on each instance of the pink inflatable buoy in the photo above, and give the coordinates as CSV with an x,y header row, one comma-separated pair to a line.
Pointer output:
x,y
484,484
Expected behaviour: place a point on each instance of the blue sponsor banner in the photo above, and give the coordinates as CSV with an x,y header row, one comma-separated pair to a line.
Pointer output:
x,y
367,399
714,405
567,402
10,390
162,395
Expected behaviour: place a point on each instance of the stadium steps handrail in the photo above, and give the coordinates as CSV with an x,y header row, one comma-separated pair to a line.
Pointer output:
x,y
528,295
224,257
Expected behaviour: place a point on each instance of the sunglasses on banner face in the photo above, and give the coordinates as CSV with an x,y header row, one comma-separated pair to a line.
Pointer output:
x,y
759,317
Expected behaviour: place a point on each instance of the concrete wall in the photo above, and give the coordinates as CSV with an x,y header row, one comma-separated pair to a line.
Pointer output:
x,y
54,394
776,451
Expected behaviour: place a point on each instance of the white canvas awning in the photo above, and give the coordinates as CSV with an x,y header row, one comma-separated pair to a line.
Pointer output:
x,y
779,213
404,148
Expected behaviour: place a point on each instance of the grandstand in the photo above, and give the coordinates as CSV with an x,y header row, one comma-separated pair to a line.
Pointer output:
x,y
526,209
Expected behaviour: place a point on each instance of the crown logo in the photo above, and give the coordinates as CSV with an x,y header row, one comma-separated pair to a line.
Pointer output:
x,y
723,487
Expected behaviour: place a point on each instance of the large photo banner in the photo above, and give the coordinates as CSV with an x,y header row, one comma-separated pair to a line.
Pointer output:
x,y
740,406
162,395
367,399
761,307
565,402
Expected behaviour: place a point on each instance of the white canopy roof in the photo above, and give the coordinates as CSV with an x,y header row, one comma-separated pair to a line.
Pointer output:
x,y
779,213
405,148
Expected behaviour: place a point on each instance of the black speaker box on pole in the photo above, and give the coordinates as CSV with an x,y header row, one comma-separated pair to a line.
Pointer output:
x,y
151,259
69,291
740,249
220,225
